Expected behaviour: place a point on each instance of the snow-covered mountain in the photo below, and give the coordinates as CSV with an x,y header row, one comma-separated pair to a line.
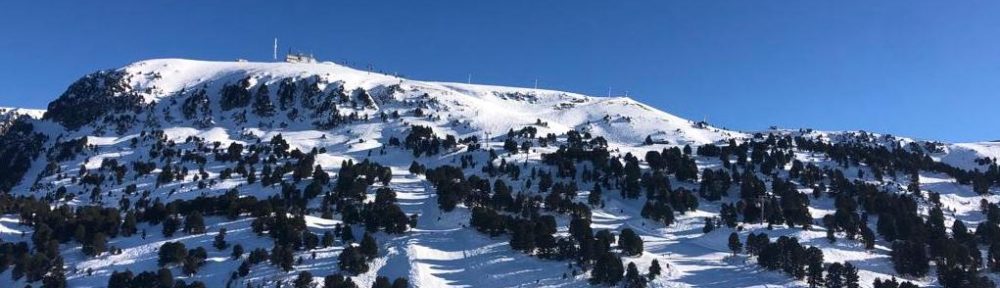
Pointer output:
x,y
244,144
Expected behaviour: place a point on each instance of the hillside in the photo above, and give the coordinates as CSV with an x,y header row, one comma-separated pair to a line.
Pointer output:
x,y
462,185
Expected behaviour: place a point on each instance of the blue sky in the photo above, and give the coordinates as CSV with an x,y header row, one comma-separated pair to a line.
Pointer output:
x,y
925,69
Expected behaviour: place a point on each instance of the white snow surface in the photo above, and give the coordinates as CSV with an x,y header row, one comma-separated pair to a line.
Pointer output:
x,y
33,113
483,108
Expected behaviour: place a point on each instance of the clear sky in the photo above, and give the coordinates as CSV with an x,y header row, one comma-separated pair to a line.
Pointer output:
x,y
925,69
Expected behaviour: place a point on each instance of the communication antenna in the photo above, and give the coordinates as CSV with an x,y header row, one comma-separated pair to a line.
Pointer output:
x,y
609,91
275,55
470,79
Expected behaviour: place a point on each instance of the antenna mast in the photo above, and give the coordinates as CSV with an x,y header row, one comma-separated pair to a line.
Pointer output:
x,y
275,55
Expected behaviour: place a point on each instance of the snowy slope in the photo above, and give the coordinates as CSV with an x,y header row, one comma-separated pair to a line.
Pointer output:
x,y
441,251
8,115
7,112
482,108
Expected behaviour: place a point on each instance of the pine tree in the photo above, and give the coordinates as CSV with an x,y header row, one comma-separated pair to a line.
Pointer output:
x,y
165,277
283,257
868,237
734,243
910,258
97,244
709,225
170,225
891,283
814,261
237,251
523,236
120,279
369,247
304,280
960,232
607,270
594,197
993,257
654,269
220,240
129,224
352,261
56,276
835,276
632,277
400,283
630,242
347,234
327,239
381,282
850,276
252,175
194,223
172,253
338,281
262,105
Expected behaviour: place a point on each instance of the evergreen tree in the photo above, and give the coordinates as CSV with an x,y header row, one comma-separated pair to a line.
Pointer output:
x,y
304,280
835,275
220,240
120,279
170,226
734,243
381,282
165,277
630,242
283,257
369,247
237,251
910,258
262,104
709,225
97,244
194,223
993,257
654,269
868,237
129,224
607,270
351,260
56,276
814,260
594,197
338,281
172,253
850,276
327,239
347,234
400,283
632,277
